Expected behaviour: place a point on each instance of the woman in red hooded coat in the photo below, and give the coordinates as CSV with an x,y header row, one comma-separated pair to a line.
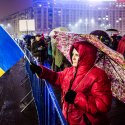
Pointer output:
x,y
86,89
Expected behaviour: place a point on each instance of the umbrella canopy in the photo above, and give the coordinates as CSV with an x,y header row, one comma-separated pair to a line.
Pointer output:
x,y
103,36
112,30
52,33
56,54
112,62
58,29
99,33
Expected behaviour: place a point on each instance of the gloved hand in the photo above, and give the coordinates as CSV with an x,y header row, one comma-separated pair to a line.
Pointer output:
x,y
70,96
35,69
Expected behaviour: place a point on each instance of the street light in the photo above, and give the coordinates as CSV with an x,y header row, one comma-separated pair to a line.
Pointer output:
x,y
8,25
92,21
120,19
86,24
117,21
80,21
70,25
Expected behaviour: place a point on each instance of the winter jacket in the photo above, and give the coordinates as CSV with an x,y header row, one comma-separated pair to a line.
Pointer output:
x,y
93,88
57,55
39,53
121,46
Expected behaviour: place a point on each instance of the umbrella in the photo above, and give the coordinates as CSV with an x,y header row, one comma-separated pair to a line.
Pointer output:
x,y
112,30
52,33
58,29
56,54
112,62
100,33
103,36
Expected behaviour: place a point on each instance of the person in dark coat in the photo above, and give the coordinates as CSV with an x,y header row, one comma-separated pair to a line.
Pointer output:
x,y
38,48
32,40
121,46
86,89
28,42
115,41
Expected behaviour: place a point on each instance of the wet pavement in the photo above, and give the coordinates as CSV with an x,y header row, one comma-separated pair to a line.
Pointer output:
x,y
11,93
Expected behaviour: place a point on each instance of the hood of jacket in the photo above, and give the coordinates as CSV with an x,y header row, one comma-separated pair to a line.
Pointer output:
x,y
87,54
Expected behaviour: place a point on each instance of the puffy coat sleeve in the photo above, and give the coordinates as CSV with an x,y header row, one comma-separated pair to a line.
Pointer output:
x,y
100,96
52,77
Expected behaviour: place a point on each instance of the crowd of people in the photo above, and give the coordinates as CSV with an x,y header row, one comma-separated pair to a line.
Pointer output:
x,y
42,48
85,88
36,44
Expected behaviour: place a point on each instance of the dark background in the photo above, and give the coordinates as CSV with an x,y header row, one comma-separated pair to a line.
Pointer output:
x,y
8,7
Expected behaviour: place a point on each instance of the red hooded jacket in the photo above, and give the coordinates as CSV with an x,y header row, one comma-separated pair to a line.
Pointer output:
x,y
90,83
121,46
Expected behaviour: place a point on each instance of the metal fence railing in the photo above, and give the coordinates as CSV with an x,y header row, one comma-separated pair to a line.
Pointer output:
x,y
48,109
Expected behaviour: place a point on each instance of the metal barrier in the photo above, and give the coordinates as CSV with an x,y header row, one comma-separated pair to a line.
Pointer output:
x,y
48,109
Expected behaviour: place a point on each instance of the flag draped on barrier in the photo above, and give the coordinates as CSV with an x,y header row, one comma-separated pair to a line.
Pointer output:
x,y
10,52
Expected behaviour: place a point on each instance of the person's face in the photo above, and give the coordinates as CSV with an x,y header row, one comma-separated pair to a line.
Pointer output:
x,y
75,57
38,38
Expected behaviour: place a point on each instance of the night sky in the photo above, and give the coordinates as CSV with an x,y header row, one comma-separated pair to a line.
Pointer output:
x,y
8,7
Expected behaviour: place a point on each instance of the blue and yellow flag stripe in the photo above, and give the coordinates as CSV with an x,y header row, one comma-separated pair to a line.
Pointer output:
x,y
10,52
1,72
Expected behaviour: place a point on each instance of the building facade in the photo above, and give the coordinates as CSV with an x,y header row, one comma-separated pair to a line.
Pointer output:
x,y
78,15
11,22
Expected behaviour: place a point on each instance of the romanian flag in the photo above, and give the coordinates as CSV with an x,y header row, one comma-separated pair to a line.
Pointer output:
x,y
10,52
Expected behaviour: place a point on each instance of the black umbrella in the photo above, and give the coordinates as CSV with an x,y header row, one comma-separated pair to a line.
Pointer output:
x,y
103,36
99,33
112,30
